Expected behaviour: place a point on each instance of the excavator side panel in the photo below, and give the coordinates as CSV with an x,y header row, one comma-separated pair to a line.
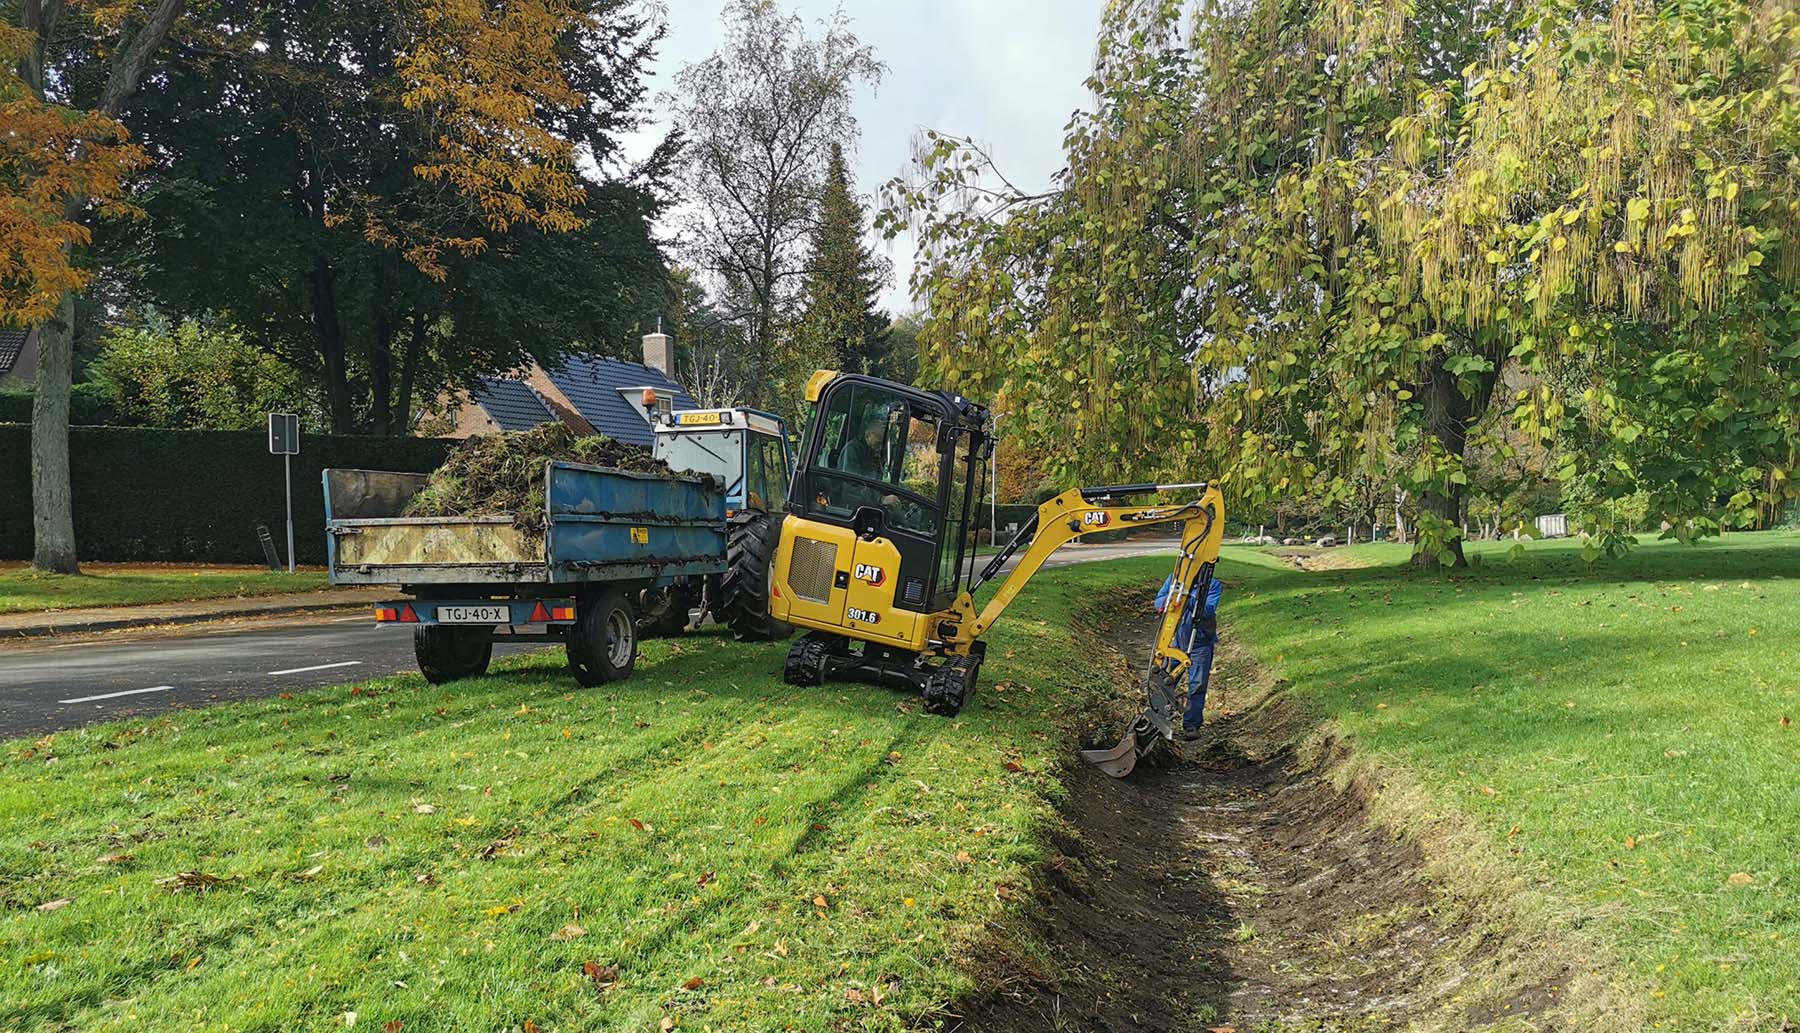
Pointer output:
x,y
827,579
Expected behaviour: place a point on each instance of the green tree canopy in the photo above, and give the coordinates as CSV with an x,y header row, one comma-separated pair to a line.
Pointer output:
x,y
841,326
1298,250
394,198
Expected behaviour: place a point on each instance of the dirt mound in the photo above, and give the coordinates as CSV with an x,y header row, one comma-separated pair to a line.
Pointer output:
x,y
1244,890
503,474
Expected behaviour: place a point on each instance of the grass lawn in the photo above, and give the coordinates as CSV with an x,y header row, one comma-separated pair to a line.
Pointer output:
x,y
23,589
749,856
1628,737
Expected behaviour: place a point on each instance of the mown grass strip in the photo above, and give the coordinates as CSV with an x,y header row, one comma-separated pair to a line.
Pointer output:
x,y
23,590
407,852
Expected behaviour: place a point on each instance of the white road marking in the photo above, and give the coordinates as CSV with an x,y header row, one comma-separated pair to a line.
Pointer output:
x,y
116,695
318,667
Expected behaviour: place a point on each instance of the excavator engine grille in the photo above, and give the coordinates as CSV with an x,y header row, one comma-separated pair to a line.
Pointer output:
x,y
809,574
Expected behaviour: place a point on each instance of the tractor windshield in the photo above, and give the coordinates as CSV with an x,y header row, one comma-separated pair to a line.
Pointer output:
x,y
876,448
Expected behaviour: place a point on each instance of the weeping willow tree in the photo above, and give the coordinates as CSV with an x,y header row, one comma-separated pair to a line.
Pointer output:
x,y
1309,244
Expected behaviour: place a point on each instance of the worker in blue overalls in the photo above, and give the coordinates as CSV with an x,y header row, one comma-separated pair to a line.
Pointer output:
x,y
1199,630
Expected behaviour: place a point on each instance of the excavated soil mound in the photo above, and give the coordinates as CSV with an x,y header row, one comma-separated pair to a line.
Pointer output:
x,y
1241,890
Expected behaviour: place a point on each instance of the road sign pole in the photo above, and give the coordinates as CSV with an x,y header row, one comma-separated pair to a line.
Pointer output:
x,y
287,467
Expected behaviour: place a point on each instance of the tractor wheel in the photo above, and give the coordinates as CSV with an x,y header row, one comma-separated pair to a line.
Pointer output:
x,y
751,540
446,654
602,645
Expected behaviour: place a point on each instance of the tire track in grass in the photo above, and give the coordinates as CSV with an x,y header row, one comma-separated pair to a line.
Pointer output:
x,y
309,949
349,895
649,945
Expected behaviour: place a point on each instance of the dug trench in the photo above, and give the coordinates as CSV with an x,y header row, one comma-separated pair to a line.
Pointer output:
x,y
1247,887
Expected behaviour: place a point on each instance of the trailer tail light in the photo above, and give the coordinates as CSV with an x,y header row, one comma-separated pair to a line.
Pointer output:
x,y
538,614
407,616
386,614
562,613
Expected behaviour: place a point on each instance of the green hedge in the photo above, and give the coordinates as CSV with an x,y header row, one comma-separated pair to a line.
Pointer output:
x,y
143,494
90,405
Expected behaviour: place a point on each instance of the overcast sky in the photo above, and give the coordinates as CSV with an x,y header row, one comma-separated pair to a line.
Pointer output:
x,y
1007,72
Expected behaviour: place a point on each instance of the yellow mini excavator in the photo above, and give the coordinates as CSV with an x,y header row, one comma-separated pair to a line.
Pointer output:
x,y
876,557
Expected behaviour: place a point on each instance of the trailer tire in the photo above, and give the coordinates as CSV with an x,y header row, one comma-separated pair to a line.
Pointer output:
x,y
751,540
602,645
446,654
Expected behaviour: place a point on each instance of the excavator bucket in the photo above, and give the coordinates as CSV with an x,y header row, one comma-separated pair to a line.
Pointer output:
x,y
1140,740
1118,761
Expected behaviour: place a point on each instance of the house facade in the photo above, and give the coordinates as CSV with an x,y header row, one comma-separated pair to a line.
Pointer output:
x,y
18,357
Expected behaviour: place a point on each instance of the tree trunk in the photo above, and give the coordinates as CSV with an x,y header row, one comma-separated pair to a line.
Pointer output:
x,y
409,371
52,502
1448,416
330,336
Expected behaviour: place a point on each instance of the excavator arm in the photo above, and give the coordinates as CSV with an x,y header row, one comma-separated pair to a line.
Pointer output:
x,y
1082,511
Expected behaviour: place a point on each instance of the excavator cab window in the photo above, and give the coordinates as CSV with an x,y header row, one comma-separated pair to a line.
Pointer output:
x,y
876,449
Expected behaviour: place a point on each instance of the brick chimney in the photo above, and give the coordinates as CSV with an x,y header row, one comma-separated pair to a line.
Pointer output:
x,y
659,351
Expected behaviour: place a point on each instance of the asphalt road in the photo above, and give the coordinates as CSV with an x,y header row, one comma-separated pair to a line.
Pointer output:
x,y
61,685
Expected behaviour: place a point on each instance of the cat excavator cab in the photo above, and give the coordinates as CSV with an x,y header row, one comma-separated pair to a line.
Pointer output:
x,y
876,560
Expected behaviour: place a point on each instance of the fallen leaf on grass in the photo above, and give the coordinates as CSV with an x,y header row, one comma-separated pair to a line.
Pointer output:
x,y
504,909
375,843
1489,791
117,858
1631,842
392,1026
1003,891
962,857
1221,1029
760,820
693,984
1014,766
568,932
604,977
1740,879
425,879
1785,721
55,905
424,808
530,1027
854,996
198,882
636,824
306,876
704,879
667,1024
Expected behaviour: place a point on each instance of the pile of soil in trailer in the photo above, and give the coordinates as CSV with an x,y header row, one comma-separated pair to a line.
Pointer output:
x,y
1241,890
503,474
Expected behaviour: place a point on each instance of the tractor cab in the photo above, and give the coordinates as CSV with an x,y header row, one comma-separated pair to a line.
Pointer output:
x,y
746,449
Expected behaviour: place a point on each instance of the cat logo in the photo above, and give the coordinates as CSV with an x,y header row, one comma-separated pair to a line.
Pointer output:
x,y
866,616
1095,518
871,573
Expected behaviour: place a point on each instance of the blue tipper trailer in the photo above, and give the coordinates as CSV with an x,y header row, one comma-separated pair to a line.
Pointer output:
x,y
608,537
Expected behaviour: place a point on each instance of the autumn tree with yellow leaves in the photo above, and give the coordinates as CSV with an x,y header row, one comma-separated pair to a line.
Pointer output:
x,y
67,70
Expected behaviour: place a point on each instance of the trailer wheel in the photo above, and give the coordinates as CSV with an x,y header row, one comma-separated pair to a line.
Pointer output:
x,y
751,540
602,645
446,654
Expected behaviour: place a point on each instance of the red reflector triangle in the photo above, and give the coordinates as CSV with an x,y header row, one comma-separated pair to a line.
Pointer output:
x,y
539,615
407,616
